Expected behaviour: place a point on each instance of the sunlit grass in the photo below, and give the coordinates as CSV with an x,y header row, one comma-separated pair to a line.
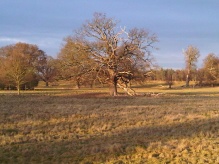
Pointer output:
x,y
88,126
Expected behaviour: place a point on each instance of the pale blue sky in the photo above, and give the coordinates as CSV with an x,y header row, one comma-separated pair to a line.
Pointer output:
x,y
177,23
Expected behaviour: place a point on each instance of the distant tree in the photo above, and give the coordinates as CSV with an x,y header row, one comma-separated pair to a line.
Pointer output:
x,y
169,77
1,73
200,76
75,63
180,75
116,52
211,68
19,61
46,68
3,56
191,56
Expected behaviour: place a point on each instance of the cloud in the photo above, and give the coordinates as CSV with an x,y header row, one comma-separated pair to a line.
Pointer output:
x,y
49,43
8,40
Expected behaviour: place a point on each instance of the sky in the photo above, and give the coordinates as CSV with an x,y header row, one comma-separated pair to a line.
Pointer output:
x,y
177,23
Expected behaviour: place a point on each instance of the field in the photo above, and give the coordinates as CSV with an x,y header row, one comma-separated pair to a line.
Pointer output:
x,y
88,126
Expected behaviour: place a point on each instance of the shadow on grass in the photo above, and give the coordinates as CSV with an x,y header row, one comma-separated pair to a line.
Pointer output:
x,y
150,85
193,93
144,136
102,148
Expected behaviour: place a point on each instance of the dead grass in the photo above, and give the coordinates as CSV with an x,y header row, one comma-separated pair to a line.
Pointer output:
x,y
178,127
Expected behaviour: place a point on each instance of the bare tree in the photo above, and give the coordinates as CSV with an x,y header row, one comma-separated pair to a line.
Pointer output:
x,y
115,50
46,69
191,56
168,75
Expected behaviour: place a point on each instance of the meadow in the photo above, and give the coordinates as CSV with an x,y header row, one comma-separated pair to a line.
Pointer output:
x,y
88,126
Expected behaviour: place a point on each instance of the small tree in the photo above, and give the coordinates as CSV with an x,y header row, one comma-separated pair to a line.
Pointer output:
x,y
191,56
19,61
211,68
2,79
200,73
46,69
74,62
169,77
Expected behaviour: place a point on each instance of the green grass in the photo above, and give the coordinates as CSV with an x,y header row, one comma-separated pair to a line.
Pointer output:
x,y
88,126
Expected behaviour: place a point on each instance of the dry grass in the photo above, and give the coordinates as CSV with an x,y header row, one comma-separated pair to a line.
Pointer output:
x,y
180,126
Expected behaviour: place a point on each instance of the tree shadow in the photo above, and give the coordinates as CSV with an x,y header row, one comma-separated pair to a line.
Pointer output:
x,y
143,136
104,147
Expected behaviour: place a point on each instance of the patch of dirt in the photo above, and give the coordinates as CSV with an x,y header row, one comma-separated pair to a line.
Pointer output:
x,y
100,95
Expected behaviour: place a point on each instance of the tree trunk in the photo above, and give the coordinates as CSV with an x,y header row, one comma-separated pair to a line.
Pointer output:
x,y
113,89
113,83
187,80
18,89
47,83
91,85
78,83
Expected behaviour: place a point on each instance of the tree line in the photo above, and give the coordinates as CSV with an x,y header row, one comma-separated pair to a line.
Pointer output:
x,y
207,75
22,65
100,52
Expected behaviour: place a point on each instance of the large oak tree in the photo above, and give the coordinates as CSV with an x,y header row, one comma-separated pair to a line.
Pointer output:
x,y
117,53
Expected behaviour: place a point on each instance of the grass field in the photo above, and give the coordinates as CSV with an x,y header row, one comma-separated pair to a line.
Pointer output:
x,y
88,126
